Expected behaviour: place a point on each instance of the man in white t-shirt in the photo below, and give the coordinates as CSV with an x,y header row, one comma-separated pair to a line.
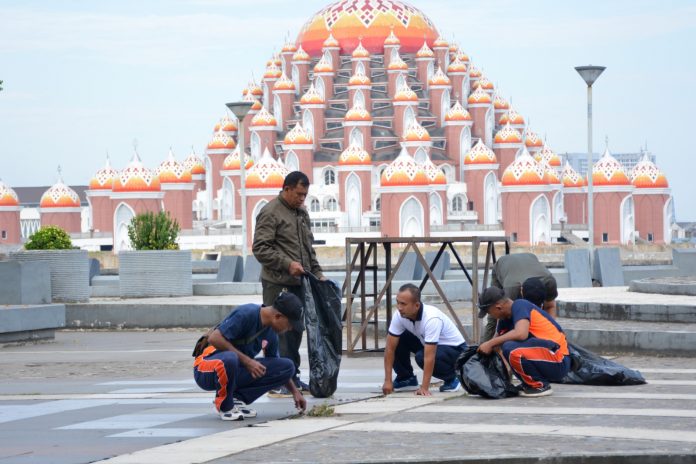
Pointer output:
x,y
432,336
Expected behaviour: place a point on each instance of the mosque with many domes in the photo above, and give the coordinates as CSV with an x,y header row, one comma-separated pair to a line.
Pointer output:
x,y
400,134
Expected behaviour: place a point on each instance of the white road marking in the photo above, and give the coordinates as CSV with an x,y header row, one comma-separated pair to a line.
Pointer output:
x,y
651,370
671,382
150,382
153,390
164,433
443,408
9,413
129,421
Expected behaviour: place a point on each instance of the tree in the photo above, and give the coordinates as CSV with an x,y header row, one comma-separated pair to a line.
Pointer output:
x,y
150,231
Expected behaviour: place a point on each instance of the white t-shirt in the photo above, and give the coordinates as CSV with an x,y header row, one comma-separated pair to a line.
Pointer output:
x,y
433,328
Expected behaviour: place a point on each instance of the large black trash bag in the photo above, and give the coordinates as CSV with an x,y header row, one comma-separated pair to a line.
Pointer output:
x,y
484,375
322,314
590,369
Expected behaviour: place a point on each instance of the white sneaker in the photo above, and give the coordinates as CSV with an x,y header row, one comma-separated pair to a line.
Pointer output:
x,y
242,407
233,414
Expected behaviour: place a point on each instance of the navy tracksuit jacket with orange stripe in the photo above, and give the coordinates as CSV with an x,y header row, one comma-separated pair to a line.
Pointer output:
x,y
543,357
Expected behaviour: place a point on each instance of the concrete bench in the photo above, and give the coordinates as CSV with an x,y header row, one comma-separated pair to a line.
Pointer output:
x,y
30,322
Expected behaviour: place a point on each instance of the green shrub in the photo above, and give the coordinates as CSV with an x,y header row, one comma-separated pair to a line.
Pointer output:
x,y
49,238
150,231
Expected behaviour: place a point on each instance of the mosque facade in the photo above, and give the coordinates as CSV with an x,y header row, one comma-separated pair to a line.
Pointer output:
x,y
400,134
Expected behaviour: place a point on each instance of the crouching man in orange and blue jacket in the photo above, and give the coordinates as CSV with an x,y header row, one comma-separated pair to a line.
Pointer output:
x,y
229,365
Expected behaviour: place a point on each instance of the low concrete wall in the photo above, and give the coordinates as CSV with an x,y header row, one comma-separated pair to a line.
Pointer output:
x,y
674,343
69,272
122,316
144,274
24,283
627,312
27,323
227,288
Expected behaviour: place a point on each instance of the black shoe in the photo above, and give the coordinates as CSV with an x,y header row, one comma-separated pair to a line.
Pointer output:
x,y
303,387
536,392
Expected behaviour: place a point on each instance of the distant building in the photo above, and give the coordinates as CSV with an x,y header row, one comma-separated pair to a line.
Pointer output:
x,y
628,160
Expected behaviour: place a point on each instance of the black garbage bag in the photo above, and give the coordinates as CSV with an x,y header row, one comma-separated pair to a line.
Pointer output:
x,y
484,375
591,369
322,314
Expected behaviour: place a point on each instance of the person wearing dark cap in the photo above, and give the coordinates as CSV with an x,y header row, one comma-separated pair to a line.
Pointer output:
x,y
509,273
229,366
531,340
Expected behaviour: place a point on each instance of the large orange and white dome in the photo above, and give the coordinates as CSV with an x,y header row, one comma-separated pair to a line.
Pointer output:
x,y
355,155
264,118
512,117
480,154
404,171
457,113
524,171
433,173
194,164
173,172
232,162
647,175
508,135
609,172
479,97
312,96
136,178
104,178
226,124
532,140
8,197
416,133
266,173
571,178
349,21
548,156
298,136
221,141
358,114
59,196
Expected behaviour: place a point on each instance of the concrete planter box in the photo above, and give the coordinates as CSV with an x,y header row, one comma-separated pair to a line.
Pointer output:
x,y
69,271
146,274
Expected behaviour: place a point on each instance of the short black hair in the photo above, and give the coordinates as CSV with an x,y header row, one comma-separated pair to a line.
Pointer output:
x,y
294,178
413,290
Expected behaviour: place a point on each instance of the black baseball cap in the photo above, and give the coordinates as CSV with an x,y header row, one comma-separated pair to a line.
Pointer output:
x,y
490,296
534,290
290,306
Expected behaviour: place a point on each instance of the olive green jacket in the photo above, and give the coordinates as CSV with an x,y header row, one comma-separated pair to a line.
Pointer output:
x,y
282,235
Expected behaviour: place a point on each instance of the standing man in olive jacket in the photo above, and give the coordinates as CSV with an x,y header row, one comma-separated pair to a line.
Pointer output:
x,y
283,245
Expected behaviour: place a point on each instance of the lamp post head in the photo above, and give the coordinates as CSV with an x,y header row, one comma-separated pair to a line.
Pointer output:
x,y
590,73
239,109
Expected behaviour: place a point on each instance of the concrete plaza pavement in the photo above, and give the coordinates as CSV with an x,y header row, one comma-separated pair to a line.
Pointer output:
x,y
128,397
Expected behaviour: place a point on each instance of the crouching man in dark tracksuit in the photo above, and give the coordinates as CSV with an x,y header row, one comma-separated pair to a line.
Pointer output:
x,y
229,365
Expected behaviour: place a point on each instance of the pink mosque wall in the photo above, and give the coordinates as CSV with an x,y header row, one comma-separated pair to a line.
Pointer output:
x,y
70,222
650,215
607,216
9,224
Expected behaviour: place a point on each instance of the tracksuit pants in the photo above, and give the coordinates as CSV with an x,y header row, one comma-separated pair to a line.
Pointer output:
x,y
445,358
288,342
536,361
222,372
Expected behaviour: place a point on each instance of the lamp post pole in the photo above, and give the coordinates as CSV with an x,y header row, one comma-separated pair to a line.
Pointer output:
x,y
590,74
240,110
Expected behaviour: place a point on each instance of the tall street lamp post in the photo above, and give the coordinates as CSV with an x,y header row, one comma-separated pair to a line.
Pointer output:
x,y
590,74
240,110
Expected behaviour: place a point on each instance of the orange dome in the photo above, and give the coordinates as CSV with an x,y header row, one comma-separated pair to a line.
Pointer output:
x,y
485,83
474,72
403,171
512,117
453,48
355,155
647,175
266,173
323,66
479,96
463,57
532,140
284,83
392,39
8,197
425,52
272,72
312,97
548,156
405,94
331,42
508,135
301,55
416,133
194,164
480,154
226,124
255,105
289,47
433,173
456,67
264,119
136,178
551,175
359,79
457,113
440,43
609,172
397,64
499,103
524,171
298,136
255,89
439,78
358,114
173,172
360,51
372,21
59,196
570,177
104,178
221,141
232,162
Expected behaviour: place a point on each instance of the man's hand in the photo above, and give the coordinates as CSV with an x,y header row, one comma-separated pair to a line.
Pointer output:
x,y
485,348
295,269
387,387
423,391
300,401
255,368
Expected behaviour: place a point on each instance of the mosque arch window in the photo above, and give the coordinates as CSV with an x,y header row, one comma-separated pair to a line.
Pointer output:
x,y
431,71
540,221
464,147
411,218
400,81
558,213
295,73
356,137
266,94
448,171
490,124
321,87
331,204
255,146
394,54
329,176
421,155
360,68
446,97
4,234
378,204
491,199
359,99
208,187
627,220
308,123
227,203
122,218
667,220
328,57
435,209
353,200
292,163
314,205
466,87
458,203
278,112
409,117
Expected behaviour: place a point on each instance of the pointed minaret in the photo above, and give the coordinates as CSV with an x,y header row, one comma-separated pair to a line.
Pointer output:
x,y
99,198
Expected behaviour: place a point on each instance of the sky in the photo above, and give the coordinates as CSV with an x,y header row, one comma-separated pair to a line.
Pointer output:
x,y
87,77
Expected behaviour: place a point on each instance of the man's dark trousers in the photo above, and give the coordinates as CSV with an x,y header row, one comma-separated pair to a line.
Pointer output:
x,y
288,342
445,358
